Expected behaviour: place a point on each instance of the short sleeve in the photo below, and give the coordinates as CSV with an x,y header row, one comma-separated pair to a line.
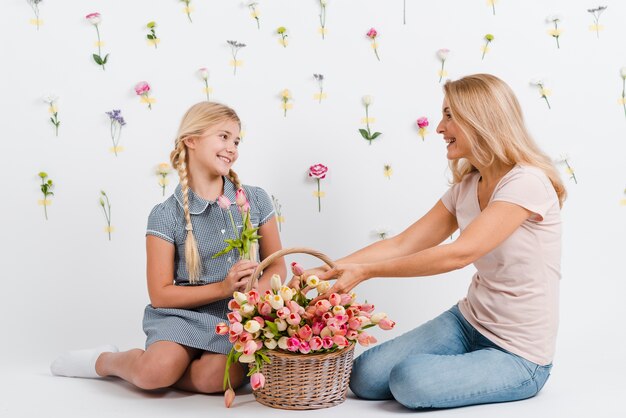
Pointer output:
x,y
530,189
161,223
264,203
450,197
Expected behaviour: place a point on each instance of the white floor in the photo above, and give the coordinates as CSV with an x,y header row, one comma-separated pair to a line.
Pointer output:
x,y
28,390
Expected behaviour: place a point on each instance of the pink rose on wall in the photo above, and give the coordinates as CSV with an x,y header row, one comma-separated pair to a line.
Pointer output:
x,y
143,90
422,124
372,34
318,172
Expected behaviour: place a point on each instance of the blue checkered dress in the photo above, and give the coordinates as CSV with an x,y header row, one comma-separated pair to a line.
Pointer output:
x,y
211,225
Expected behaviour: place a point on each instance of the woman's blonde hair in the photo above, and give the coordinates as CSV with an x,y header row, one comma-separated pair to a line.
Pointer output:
x,y
195,122
489,115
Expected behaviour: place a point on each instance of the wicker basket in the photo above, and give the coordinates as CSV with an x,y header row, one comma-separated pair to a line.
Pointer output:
x,y
303,381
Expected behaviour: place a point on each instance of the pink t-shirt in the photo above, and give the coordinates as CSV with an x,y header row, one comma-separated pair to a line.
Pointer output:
x,y
513,299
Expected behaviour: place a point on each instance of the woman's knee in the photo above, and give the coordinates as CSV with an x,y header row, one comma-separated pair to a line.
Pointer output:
x,y
369,380
410,383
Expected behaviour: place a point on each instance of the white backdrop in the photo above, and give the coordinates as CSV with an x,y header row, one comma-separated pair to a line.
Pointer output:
x,y
67,286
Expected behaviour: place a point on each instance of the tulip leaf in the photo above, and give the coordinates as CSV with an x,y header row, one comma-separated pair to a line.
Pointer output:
x,y
272,326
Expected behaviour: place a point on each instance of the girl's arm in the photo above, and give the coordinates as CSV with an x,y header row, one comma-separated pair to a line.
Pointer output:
x,y
494,225
164,294
269,244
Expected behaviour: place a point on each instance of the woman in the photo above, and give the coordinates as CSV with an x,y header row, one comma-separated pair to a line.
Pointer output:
x,y
497,343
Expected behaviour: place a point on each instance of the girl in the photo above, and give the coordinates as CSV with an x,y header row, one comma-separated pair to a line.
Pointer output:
x,y
497,343
184,232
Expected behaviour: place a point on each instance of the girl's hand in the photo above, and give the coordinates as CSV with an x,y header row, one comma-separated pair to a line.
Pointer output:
x,y
348,277
238,277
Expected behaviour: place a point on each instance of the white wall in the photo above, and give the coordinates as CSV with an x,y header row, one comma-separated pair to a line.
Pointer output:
x,y
66,285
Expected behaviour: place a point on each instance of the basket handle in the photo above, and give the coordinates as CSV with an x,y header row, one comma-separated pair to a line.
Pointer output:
x,y
270,259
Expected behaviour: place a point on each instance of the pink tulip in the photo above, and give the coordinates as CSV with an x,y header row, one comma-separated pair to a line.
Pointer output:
x,y
260,320
293,344
229,397
318,326
372,33
335,299
367,308
257,381
386,324
422,122
221,329
233,305
245,208
326,332
297,269
265,309
253,297
240,198
365,339
327,342
316,343
341,319
305,348
326,316
283,313
352,334
236,328
323,305
142,88
293,319
341,341
244,337
294,307
305,333
223,202
234,317
94,18
346,298
250,347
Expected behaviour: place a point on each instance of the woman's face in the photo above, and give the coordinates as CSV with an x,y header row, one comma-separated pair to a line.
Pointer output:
x,y
458,145
216,150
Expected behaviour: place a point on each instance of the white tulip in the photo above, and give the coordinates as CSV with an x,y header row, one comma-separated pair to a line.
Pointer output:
x,y
377,317
282,343
323,287
246,358
287,293
622,72
367,100
276,282
271,344
443,54
240,298
252,326
281,324
277,302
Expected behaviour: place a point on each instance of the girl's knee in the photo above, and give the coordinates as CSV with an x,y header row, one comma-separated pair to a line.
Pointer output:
x,y
151,374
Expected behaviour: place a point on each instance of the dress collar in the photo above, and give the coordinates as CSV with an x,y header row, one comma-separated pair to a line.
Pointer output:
x,y
197,204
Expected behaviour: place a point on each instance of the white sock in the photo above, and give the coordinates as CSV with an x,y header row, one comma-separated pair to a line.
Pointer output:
x,y
80,363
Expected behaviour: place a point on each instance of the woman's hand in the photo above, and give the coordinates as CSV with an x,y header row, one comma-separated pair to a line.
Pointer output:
x,y
294,283
348,277
237,278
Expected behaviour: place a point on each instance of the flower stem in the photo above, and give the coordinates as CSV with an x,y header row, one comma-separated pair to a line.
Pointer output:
x,y
319,197
376,52
206,87
485,50
624,94
99,48
404,13
321,93
441,71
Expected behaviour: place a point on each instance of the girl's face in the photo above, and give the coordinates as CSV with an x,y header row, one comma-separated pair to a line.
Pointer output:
x,y
216,149
458,145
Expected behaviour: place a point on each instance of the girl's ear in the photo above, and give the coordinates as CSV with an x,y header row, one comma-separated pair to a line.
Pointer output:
x,y
190,141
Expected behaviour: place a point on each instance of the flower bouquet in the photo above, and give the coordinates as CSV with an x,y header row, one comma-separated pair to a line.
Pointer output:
x,y
246,242
299,354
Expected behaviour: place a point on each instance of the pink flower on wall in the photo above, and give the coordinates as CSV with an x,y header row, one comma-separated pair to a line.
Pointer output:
x,y
143,90
422,124
318,172
372,34
95,19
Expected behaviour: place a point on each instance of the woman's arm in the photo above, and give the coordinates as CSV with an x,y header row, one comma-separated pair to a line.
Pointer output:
x,y
164,294
269,244
494,225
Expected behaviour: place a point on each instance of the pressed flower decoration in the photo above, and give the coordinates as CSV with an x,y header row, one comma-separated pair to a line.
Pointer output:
x,y
318,172
492,3
381,232
555,32
596,12
106,208
52,100
488,39
163,170
279,216
188,9
422,124
372,34
34,4
623,201
367,133
142,89
442,54
95,19
284,319
46,189
322,17
152,36
404,12
234,49
254,13
623,99
544,92
387,171
285,96
245,241
204,75
282,31
117,122
320,82
564,159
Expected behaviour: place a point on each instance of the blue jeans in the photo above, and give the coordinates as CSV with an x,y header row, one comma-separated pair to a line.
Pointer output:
x,y
445,363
